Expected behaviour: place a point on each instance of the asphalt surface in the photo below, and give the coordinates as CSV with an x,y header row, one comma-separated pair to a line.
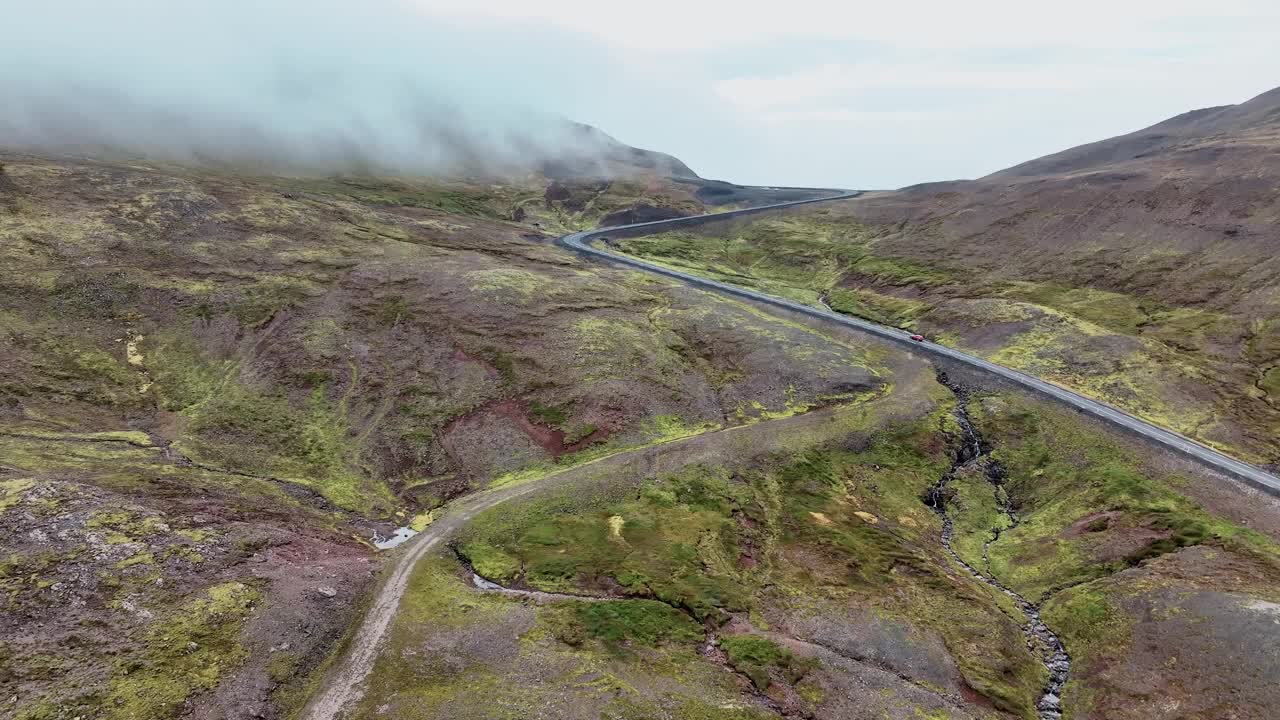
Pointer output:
x,y
581,242
343,685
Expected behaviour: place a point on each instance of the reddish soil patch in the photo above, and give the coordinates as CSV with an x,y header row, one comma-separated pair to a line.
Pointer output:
x,y
974,697
460,354
1111,537
1095,522
550,439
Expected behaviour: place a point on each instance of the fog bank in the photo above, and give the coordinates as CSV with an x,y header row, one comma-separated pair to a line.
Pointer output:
x,y
281,85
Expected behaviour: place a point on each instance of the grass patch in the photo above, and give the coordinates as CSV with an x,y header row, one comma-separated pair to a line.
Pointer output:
x,y
1061,473
878,307
12,491
671,533
256,432
1093,628
1114,311
627,622
490,562
185,653
756,656
549,415
1270,383
976,515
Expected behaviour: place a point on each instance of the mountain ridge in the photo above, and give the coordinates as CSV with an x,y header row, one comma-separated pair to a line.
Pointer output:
x,y
1259,113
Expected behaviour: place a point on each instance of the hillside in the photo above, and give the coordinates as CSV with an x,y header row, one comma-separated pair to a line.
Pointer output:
x,y
599,154
221,393
216,389
1216,127
1142,269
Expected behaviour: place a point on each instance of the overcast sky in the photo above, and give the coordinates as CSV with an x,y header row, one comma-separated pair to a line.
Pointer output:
x,y
852,94
879,94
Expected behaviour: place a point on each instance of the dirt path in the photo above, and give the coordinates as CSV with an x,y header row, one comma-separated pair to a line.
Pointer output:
x,y
344,683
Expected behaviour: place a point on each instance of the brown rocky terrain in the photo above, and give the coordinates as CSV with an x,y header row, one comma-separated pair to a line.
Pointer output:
x,y
216,389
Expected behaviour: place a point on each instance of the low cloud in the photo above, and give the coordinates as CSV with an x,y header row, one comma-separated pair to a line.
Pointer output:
x,y
852,94
314,86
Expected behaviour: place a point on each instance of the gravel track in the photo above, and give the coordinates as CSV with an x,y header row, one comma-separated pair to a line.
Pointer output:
x,y
344,684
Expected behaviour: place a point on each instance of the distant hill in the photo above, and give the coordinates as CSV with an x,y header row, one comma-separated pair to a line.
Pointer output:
x,y
1178,221
1260,115
1201,184
598,154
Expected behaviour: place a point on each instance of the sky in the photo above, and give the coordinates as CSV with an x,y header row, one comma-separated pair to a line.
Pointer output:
x,y
846,94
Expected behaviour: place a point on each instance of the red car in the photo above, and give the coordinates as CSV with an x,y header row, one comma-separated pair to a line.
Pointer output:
x,y
918,338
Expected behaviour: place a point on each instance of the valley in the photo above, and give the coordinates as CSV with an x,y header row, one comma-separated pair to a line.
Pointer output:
x,y
1137,271
634,497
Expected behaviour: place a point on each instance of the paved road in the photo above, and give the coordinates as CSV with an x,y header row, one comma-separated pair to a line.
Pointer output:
x,y
581,242
344,682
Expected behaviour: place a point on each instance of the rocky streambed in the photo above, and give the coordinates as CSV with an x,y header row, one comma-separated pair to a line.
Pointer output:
x,y
1041,639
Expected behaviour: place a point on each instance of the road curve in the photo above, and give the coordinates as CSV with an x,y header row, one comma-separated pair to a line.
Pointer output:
x,y
343,684
581,242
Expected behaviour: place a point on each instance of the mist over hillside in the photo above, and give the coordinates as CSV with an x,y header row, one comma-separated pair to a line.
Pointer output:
x,y
283,86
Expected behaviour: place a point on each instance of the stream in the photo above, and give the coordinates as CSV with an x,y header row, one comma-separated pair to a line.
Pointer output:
x,y
1040,639
397,538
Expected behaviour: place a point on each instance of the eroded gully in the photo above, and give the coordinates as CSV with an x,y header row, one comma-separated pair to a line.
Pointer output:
x,y
971,452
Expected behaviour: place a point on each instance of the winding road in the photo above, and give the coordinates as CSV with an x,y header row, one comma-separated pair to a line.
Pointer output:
x,y
581,242
343,685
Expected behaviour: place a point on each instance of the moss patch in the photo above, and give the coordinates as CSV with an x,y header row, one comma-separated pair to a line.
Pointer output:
x,y
672,531
1088,506
185,653
622,623
756,656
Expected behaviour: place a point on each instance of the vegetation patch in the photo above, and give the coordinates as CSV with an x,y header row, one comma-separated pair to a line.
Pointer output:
x,y
1114,311
879,307
1270,383
251,431
756,657
549,415
622,623
674,529
1087,505
185,653
511,285
489,562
